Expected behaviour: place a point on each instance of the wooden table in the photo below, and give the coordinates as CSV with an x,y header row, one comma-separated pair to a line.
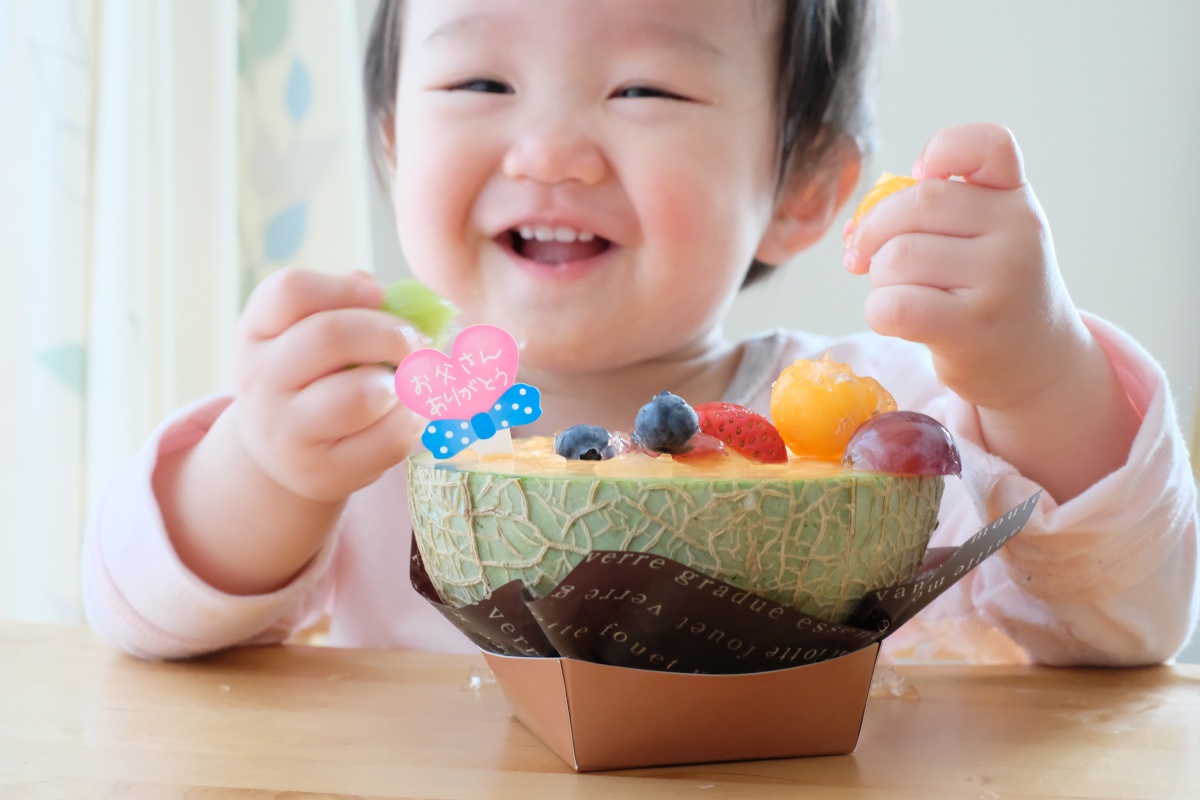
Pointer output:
x,y
79,720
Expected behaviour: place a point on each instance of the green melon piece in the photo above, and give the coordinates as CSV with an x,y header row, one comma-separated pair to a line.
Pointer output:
x,y
816,544
412,300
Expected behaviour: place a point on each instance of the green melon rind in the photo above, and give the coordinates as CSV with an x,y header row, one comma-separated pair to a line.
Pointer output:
x,y
815,545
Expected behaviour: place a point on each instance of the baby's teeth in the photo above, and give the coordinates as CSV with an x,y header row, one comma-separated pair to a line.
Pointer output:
x,y
545,233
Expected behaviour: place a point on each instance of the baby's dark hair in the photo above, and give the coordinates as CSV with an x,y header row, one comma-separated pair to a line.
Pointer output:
x,y
825,56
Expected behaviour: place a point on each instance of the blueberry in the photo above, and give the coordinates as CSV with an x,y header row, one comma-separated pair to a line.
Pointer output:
x,y
666,424
583,443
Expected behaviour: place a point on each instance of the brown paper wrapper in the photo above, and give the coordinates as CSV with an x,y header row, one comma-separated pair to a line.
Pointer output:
x,y
648,612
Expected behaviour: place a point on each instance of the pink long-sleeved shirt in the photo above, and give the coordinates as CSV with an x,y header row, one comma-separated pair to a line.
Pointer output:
x,y
1108,578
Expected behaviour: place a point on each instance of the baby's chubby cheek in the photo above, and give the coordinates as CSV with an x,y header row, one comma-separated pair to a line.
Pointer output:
x,y
431,253
697,248
673,239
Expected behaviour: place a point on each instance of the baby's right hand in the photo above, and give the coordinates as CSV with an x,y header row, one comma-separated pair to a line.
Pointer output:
x,y
315,423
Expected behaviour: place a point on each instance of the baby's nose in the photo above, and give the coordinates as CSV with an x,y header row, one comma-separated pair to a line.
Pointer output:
x,y
556,153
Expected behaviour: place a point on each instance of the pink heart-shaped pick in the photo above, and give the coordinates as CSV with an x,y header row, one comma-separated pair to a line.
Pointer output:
x,y
481,365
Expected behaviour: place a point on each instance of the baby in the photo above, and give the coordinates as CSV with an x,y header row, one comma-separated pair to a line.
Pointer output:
x,y
600,179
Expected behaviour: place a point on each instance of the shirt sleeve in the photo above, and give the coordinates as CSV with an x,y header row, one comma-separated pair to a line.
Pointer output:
x,y
138,594
1108,577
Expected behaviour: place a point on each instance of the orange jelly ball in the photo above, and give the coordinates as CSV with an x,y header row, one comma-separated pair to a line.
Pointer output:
x,y
886,184
817,406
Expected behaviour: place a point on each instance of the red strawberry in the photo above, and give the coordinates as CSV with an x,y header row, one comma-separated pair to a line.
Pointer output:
x,y
750,434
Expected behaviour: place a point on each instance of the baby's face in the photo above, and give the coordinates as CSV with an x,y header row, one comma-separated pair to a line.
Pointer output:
x,y
637,135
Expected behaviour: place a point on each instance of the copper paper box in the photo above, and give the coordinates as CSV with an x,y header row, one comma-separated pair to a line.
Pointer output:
x,y
599,716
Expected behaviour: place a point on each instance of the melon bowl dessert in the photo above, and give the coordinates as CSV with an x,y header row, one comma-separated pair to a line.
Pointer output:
x,y
802,535
847,507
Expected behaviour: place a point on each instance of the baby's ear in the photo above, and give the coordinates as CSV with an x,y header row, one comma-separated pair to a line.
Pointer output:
x,y
808,204
382,150
385,133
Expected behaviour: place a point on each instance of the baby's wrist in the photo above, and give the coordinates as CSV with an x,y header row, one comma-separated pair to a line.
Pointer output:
x,y
1074,431
234,525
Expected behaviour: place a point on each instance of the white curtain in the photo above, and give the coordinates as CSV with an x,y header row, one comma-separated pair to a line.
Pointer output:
x,y
160,157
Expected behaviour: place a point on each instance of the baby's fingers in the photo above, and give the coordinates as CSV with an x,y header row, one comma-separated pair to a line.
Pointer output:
x,y
984,154
352,429
374,450
938,207
330,341
922,259
343,403
925,314
289,295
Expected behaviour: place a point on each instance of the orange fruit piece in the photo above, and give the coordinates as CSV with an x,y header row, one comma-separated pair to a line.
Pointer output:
x,y
886,184
818,405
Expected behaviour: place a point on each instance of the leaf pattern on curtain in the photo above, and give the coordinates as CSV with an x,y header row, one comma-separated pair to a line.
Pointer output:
x,y
69,364
46,104
168,155
61,67
293,132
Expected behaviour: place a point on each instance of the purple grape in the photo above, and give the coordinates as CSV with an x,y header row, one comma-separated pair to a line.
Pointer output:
x,y
903,443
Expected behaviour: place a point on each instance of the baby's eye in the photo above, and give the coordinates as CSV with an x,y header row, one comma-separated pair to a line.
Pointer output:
x,y
485,85
636,92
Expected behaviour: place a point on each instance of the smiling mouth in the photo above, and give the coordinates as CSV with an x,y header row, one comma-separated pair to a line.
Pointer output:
x,y
546,245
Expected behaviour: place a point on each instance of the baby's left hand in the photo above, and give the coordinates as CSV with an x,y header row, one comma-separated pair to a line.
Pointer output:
x,y
967,268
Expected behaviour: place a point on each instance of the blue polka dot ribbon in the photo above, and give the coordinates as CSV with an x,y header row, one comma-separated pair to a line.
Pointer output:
x,y
520,404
